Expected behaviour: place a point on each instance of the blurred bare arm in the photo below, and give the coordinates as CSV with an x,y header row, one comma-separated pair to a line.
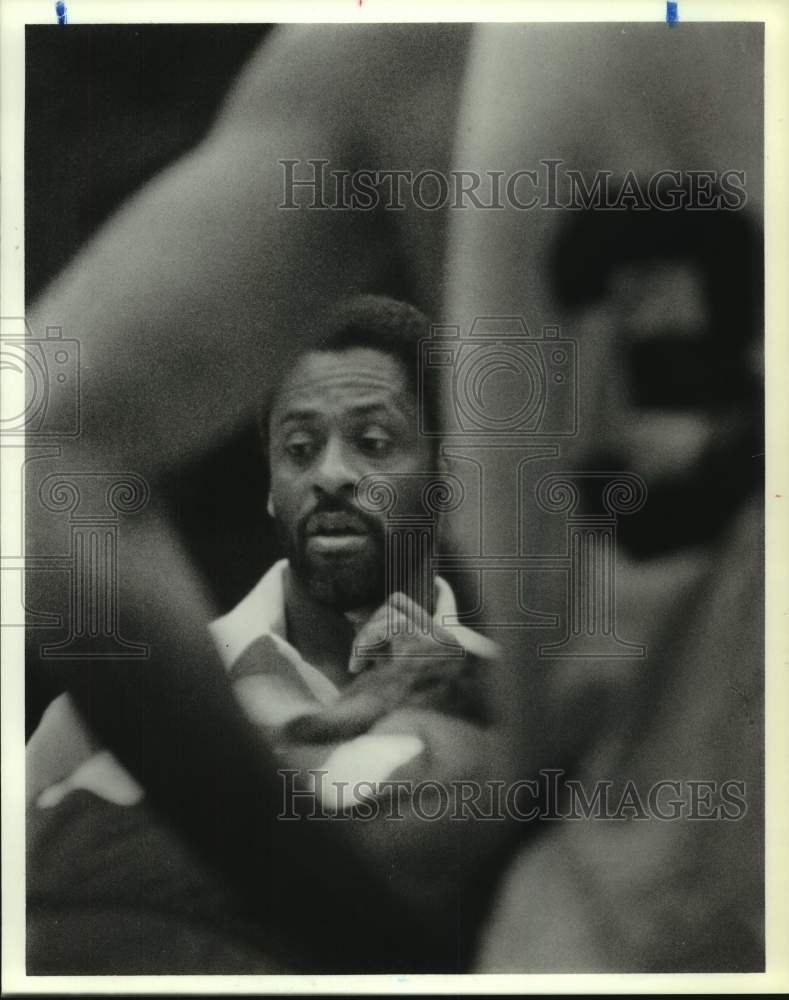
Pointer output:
x,y
188,303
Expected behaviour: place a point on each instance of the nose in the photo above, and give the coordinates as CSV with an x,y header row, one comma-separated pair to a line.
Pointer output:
x,y
335,472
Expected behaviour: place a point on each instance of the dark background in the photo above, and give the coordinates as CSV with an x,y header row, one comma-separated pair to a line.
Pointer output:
x,y
107,106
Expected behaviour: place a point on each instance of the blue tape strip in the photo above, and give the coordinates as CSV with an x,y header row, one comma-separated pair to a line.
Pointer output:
x,y
60,10
671,13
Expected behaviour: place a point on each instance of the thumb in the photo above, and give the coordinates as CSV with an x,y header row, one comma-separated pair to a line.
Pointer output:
x,y
389,620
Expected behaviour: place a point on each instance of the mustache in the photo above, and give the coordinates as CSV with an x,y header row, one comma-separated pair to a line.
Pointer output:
x,y
334,516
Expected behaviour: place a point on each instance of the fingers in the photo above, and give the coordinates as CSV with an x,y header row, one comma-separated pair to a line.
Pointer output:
x,y
407,607
396,616
422,620
342,721
400,618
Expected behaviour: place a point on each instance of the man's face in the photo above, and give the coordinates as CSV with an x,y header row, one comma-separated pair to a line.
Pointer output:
x,y
338,416
680,409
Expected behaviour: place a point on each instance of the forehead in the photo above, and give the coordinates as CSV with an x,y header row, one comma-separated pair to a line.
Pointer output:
x,y
341,381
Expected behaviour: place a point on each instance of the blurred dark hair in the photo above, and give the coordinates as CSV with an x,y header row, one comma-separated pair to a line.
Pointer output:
x,y
381,324
726,247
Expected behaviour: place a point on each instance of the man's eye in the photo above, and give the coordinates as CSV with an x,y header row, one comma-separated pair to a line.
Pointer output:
x,y
299,447
375,442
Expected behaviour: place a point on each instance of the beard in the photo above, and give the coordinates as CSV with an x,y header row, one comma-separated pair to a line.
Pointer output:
x,y
692,506
343,579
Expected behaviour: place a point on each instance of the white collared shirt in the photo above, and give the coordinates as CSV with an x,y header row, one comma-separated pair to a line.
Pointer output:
x,y
293,685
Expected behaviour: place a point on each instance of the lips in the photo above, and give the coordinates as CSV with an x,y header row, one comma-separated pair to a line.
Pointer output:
x,y
335,523
336,534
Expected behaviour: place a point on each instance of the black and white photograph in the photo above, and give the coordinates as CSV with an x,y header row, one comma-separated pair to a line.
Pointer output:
x,y
386,480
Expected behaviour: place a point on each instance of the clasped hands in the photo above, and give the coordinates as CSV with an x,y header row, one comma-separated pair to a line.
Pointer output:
x,y
397,664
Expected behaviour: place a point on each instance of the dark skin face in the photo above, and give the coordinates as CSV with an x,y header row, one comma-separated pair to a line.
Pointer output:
x,y
338,416
679,420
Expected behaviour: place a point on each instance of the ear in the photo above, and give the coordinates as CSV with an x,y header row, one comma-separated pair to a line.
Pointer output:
x,y
270,506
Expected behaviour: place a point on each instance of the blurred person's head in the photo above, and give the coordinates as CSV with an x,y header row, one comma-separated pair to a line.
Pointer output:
x,y
681,295
347,408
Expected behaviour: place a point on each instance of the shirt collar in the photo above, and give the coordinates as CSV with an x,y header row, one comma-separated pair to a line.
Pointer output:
x,y
262,612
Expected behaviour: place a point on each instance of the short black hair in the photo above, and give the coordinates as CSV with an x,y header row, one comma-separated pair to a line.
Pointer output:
x,y
382,324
